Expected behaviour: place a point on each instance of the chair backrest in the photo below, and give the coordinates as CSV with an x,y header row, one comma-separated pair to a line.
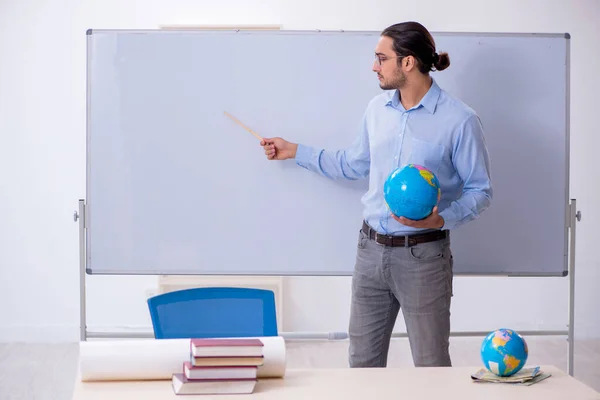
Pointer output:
x,y
213,312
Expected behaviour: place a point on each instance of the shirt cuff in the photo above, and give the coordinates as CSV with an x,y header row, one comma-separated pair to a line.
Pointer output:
x,y
304,155
449,220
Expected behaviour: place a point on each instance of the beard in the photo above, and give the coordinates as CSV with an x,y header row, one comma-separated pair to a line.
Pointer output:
x,y
397,81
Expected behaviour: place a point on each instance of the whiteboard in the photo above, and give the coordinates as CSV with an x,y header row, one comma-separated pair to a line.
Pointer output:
x,y
173,186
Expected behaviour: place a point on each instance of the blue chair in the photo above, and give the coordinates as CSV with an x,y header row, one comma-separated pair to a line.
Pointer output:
x,y
213,312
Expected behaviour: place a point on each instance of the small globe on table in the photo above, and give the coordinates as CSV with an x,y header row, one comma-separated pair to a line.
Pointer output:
x,y
504,352
411,192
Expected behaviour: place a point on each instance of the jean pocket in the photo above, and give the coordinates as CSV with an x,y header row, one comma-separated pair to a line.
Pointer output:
x,y
427,252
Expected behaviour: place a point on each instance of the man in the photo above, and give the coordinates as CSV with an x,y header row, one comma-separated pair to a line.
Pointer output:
x,y
400,262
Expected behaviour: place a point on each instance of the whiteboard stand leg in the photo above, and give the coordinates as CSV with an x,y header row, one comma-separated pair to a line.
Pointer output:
x,y
573,218
80,216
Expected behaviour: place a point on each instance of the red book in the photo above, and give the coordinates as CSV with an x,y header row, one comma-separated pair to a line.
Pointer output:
x,y
226,347
219,372
182,385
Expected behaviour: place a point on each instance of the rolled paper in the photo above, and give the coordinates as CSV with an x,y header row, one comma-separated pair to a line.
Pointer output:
x,y
158,359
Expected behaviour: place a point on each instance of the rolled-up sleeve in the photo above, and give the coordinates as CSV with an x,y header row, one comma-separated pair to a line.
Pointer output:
x,y
352,163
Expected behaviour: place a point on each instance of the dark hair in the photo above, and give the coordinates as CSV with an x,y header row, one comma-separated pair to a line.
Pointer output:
x,y
413,39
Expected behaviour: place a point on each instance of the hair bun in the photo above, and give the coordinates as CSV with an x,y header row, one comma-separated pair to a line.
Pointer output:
x,y
441,61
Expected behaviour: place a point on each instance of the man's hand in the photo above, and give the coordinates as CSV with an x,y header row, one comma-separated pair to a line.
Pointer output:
x,y
433,221
278,148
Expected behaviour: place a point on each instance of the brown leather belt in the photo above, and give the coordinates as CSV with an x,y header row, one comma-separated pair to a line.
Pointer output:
x,y
404,241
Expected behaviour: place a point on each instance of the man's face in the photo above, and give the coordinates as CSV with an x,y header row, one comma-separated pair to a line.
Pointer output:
x,y
386,66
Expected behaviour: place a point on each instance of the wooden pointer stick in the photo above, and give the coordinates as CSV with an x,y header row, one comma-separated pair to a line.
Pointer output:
x,y
256,135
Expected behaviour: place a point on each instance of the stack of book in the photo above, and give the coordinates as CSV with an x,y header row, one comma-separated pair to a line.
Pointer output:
x,y
220,366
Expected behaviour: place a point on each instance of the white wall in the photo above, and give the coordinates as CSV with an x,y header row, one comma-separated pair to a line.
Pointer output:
x,y
42,160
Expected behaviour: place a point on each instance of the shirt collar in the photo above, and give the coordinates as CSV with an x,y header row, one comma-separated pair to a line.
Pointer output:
x,y
429,101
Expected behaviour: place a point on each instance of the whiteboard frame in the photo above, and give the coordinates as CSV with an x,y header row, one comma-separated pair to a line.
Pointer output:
x,y
572,216
174,30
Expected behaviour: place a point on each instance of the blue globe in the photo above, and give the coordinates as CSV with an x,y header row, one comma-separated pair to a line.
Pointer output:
x,y
504,352
411,192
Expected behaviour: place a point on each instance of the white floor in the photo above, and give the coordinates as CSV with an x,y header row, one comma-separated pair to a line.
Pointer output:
x,y
47,371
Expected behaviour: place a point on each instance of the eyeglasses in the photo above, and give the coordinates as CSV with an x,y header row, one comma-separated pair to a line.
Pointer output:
x,y
379,60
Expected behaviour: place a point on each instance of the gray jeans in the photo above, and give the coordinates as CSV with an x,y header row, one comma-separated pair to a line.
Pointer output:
x,y
418,279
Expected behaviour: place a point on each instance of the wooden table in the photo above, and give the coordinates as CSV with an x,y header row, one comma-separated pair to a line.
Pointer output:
x,y
357,383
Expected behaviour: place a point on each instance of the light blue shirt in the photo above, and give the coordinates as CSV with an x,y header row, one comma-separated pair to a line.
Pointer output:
x,y
440,133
